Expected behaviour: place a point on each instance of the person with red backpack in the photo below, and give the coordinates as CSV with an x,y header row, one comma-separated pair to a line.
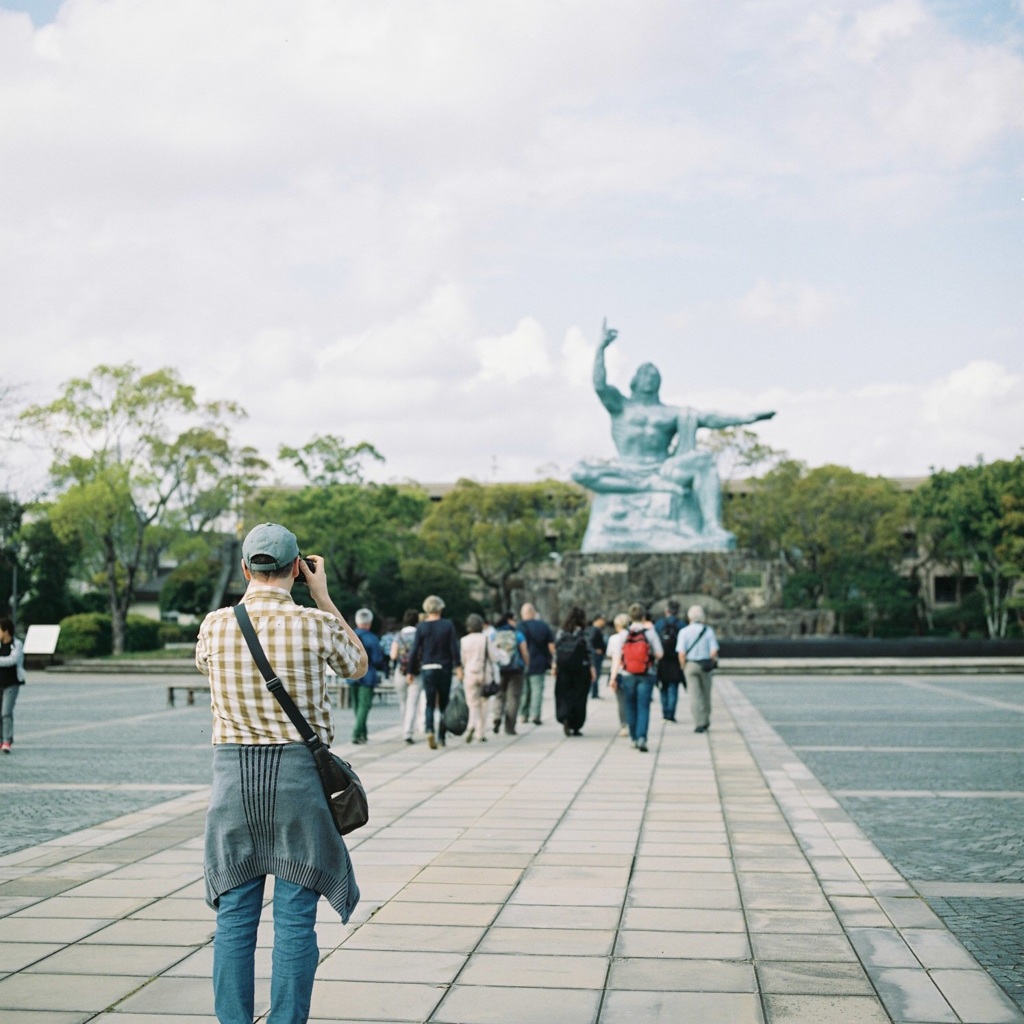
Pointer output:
x,y
635,671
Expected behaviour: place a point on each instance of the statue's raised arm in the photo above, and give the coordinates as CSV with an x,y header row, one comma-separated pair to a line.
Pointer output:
x,y
721,420
611,397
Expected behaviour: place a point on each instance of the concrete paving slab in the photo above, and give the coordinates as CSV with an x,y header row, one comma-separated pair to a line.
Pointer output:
x,y
477,1004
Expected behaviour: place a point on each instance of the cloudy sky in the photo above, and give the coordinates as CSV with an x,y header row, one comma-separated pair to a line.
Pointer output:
x,y
403,221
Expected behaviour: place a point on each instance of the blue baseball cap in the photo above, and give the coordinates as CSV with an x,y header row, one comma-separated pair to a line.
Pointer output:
x,y
273,541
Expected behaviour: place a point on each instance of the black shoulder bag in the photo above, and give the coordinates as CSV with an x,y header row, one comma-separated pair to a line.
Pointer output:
x,y
346,797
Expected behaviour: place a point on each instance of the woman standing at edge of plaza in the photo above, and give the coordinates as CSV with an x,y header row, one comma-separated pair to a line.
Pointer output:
x,y
12,676
479,658
435,656
698,649
574,672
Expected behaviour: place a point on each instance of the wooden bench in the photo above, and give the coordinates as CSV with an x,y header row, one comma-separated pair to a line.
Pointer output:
x,y
190,690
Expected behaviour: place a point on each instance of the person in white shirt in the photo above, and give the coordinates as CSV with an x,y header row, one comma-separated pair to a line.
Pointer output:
x,y
614,654
697,647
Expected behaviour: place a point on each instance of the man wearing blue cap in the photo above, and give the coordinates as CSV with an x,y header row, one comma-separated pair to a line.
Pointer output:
x,y
268,814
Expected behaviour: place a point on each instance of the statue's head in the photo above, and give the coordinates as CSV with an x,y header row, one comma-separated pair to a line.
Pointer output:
x,y
646,380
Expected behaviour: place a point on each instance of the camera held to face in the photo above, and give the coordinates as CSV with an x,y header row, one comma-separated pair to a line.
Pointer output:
x,y
306,565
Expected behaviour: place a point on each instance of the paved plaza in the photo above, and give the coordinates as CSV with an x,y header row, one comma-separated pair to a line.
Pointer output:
x,y
834,850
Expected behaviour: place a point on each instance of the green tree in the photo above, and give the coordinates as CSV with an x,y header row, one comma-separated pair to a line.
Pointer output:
x,y
49,565
495,530
973,517
840,535
326,459
189,586
405,584
132,452
11,511
360,529
739,452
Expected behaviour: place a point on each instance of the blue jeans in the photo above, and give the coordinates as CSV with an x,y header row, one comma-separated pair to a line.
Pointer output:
x,y
437,687
669,700
595,690
638,691
533,696
10,695
295,952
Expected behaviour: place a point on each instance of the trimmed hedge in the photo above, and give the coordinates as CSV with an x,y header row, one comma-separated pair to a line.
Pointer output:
x,y
90,635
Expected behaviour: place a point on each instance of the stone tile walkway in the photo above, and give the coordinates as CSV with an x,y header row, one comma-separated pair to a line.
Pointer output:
x,y
534,879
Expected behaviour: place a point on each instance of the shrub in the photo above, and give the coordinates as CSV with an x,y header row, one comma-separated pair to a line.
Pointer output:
x,y
88,635
142,634
176,633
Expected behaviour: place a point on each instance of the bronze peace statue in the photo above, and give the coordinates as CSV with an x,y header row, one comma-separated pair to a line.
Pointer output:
x,y
661,494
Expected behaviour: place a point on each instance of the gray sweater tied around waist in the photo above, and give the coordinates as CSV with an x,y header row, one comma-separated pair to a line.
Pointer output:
x,y
268,816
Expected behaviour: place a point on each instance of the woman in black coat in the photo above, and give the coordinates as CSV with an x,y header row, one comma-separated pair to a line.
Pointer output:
x,y
574,672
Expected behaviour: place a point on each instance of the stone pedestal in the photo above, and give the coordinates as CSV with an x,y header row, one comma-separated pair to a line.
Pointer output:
x,y
741,595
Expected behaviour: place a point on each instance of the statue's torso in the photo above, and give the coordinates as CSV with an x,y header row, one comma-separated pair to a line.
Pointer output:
x,y
643,433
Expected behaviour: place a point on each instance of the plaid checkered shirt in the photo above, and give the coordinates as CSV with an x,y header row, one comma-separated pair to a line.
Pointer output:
x,y
299,642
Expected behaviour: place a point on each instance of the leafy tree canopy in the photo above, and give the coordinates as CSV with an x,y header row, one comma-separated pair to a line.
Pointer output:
x,y
973,518
132,451
496,530
839,533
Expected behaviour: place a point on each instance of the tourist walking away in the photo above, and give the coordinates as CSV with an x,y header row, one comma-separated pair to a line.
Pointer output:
x,y
574,672
401,646
620,625
598,647
641,651
698,654
540,647
12,678
512,655
362,689
670,672
267,813
435,656
479,660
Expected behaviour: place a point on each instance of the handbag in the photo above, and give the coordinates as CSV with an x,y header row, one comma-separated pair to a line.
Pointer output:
x,y
456,714
491,687
346,797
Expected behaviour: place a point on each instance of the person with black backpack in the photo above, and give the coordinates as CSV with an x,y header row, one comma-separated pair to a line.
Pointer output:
x,y
634,670
574,672
670,672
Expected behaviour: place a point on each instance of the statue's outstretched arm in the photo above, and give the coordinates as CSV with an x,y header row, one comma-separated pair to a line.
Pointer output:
x,y
611,397
720,420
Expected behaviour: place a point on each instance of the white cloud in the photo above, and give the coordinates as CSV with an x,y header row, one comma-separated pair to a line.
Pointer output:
x,y
786,304
516,356
893,428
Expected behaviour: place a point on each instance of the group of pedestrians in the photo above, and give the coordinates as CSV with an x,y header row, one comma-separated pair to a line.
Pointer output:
x,y
513,660
663,654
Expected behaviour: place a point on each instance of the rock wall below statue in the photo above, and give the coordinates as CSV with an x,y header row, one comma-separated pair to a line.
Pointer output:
x,y
741,595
